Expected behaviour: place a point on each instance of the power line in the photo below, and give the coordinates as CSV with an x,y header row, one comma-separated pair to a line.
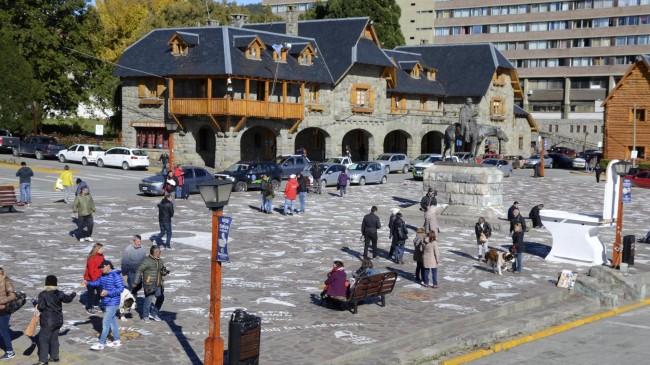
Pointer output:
x,y
113,63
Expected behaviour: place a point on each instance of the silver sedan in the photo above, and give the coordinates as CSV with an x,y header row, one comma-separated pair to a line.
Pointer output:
x,y
367,172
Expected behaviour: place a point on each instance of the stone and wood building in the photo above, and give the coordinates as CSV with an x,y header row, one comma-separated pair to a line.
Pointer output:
x,y
256,91
629,100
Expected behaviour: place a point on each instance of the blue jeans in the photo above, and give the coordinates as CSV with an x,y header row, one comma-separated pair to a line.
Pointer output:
x,y
26,193
267,205
518,264
5,335
434,275
165,230
343,190
159,296
399,251
288,206
302,196
179,192
109,323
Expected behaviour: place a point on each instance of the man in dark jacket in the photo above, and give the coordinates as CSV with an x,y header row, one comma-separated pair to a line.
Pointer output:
x,y
303,189
165,214
316,174
514,206
50,305
400,234
517,218
267,195
150,274
428,200
534,216
24,175
369,227
80,186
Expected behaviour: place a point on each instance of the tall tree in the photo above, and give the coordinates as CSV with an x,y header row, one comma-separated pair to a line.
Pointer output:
x,y
385,15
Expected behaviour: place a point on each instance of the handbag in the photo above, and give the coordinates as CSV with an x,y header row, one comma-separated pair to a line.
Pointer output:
x,y
58,185
16,304
30,331
482,238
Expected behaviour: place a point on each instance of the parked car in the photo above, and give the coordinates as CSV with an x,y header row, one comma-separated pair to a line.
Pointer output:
x,y
39,146
502,165
7,141
330,173
561,160
641,179
534,160
84,153
365,172
126,158
578,163
247,174
293,164
418,169
421,158
463,156
517,161
344,160
194,176
394,162
570,152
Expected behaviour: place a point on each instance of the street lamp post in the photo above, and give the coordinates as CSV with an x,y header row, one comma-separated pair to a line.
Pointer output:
x,y
541,158
622,168
215,195
171,126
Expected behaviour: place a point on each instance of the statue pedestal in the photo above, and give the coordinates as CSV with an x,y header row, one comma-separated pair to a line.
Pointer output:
x,y
469,191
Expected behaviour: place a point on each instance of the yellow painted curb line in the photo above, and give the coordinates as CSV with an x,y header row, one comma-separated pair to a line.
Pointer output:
x,y
47,170
506,345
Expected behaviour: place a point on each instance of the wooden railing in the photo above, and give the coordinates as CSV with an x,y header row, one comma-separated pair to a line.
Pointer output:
x,y
236,107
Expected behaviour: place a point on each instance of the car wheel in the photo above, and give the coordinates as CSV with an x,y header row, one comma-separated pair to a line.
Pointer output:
x,y
241,187
384,179
323,184
100,163
84,161
387,170
14,151
125,165
405,169
39,155
62,158
275,184
362,181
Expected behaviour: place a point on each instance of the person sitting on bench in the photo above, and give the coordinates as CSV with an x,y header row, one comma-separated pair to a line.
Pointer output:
x,y
336,285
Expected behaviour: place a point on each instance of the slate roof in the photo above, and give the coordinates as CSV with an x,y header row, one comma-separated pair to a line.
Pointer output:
x,y
463,69
220,52
408,85
519,111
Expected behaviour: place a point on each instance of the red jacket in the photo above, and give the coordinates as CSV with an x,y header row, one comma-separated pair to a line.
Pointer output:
x,y
180,176
93,272
291,189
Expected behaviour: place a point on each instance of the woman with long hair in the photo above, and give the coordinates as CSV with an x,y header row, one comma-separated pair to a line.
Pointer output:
x,y
93,273
7,294
431,260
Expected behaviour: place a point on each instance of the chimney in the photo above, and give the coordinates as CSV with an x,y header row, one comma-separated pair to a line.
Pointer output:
x,y
212,23
238,20
292,20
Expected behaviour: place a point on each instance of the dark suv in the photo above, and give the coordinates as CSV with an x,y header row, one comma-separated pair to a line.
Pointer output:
x,y
247,174
39,146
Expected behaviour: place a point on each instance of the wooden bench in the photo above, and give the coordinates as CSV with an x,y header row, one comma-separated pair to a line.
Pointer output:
x,y
8,197
369,287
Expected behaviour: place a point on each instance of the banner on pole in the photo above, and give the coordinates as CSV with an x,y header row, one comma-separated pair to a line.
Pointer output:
x,y
627,191
224,230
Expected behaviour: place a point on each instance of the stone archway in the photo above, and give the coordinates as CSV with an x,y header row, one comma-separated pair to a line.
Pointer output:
x,y
258,144
314,140
206,145
432,142
359,141
397,142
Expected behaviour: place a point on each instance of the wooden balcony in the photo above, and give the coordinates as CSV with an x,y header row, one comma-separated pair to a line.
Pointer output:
x,y
236,107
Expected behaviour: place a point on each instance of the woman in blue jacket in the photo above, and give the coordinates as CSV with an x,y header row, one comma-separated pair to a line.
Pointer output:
x,y
112,286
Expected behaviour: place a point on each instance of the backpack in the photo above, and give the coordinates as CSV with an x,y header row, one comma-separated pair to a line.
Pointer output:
x,y
17,303
402,233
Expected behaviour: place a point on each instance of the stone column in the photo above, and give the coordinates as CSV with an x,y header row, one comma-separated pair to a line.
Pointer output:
x,y
566,108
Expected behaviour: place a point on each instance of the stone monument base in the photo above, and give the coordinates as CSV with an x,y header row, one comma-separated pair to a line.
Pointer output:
x,y
467,192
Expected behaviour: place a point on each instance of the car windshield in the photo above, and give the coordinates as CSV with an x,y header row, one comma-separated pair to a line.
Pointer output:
x,y
358,166
334,160
138,153
422,157
433,159
490,162
383,157
534,157
237,167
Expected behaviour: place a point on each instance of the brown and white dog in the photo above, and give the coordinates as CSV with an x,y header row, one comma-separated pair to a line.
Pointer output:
x,y
498,260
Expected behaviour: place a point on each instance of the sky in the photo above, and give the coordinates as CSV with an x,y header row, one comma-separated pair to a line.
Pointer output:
x,y
246,2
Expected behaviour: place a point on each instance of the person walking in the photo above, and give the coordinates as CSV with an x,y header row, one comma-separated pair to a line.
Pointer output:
x,y
348,152
7,294
431,221
170,184
132,257
428,200
342,183
180,179
25,175
290,193
483,231
391,219
50,306
67,180
316,174
418,249
84,206
431,260
517,218
267,195
597,171
111,285
150,274
369,227
514,206
518,248
401,235
93,273
303,189
80,186
165,214
535,217
164,159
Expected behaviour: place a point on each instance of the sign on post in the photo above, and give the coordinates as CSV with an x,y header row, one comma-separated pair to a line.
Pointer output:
x,y
222,242
634,154
99,129
627,191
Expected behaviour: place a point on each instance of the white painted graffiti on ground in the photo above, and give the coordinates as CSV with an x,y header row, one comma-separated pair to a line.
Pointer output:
x,y
310,327
348,336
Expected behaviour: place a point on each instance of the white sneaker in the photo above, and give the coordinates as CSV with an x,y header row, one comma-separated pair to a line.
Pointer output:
x,y
89,239
117,343
97,347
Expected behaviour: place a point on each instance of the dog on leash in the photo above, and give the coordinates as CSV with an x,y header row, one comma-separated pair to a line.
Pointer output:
x,y
498,260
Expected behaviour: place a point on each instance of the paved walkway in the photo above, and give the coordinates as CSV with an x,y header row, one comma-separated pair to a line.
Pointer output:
x,y
278,265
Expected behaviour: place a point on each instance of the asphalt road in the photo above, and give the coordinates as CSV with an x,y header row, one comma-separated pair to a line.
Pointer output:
x,y
620,340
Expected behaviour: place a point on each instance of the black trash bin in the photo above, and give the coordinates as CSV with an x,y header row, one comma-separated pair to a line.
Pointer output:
x,y
628,249
244,339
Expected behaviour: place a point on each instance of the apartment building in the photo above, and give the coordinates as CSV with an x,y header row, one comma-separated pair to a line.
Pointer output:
x,y
281,7
416,21
568,54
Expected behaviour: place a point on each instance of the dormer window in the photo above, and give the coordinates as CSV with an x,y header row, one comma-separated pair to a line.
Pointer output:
x,y
415,72
254,52
180,43
306,57
251,45
178,48
282,57
431,75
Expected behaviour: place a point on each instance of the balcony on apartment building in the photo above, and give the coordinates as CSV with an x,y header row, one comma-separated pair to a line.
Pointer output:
x,y
238,97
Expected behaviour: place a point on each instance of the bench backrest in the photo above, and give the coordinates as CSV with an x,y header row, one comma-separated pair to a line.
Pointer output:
x,y
375,285
7,195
